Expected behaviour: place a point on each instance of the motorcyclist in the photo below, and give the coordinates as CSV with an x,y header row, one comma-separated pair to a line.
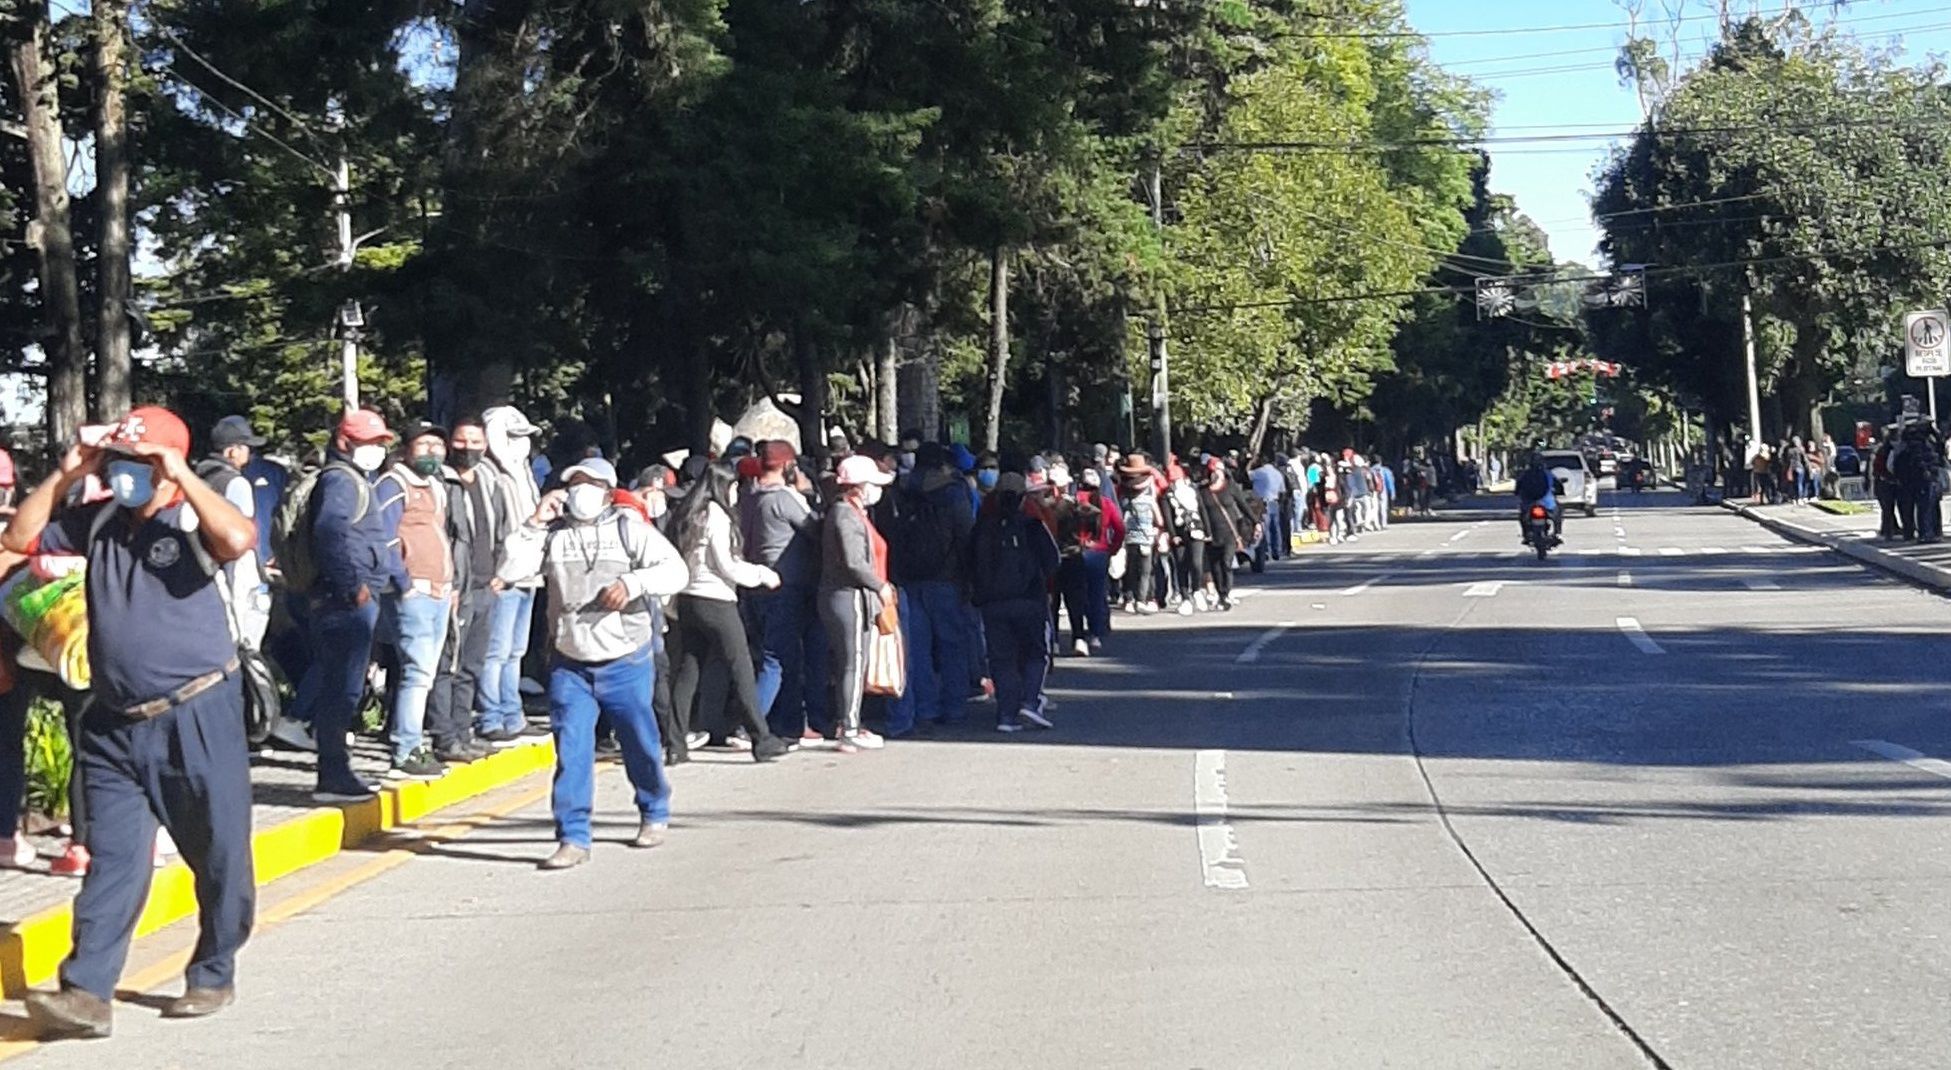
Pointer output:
x,y
1537,485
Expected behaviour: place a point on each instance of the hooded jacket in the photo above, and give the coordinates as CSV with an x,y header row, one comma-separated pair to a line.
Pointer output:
x,y
579,561
350,545
515,477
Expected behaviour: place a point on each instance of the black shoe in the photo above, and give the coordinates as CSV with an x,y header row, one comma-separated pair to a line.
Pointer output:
x,y
608,745
498,737
456,753
200,1002
349,789
534,731
769,748
417,766
478,749
70,1012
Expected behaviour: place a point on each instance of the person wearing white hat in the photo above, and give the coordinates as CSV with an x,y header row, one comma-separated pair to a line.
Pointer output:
x,y
605,567
510,438
853,588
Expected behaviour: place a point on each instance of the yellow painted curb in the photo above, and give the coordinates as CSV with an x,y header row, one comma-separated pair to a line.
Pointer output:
x,y
31,949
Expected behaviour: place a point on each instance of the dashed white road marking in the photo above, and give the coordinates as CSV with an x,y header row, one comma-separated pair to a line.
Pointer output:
x,y
1758,583
1716,550
1625,578
1630,551
1672,551
1364,585
1254,649
1219,849
1482,590
1914,759
1629,626
1756,550
1459,535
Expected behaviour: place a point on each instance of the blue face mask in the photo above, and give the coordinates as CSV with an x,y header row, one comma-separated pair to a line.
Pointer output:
x,y
986,478
132,482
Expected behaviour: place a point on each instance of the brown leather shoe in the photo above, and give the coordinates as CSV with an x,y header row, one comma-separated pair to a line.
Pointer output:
x,y
566,856
649,834
70,1013
199,1002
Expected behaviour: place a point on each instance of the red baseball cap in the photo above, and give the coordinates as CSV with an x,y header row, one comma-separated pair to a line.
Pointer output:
x,y
364,425
151,424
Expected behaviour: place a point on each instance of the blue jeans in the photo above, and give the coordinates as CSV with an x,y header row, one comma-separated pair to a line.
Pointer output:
x,y
620,691
501,677
934,628
328,697
418,623
791,648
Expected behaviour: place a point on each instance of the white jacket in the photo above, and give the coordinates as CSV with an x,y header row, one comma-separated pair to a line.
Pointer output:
x,y
716,572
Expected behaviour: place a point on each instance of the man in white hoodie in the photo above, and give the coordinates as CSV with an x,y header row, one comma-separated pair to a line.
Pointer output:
x,y
510,436
605,567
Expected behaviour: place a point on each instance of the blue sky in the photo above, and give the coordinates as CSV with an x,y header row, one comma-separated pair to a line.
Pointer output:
x,y
1563,82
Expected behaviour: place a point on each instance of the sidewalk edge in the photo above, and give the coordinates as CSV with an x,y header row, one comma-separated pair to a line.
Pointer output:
x,y
1931,576
31,950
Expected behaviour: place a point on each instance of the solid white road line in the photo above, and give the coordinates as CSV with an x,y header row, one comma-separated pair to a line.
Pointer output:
x,y
1252,652
1219,858
1629,626
1756,583
1625,579
1914,759
1364,585
1756,550
1459,535
1482,590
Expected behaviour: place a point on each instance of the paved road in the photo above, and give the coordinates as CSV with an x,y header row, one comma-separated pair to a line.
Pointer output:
x,y
1421,802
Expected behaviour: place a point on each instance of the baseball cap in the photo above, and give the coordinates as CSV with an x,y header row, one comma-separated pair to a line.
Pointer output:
x,y
426,427
364,425
596,468
235,431
860,470
150,424
750,466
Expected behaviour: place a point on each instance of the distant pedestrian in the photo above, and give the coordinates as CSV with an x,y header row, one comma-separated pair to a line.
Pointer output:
x,y
1012,559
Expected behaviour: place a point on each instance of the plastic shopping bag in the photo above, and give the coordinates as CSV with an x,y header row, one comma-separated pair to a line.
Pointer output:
x,y
52,615
887,656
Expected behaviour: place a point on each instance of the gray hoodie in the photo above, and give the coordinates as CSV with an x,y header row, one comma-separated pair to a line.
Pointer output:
x,y
510,453
578,561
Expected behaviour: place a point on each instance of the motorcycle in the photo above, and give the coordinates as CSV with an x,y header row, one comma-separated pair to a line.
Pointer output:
x,y
1537,530
1639,479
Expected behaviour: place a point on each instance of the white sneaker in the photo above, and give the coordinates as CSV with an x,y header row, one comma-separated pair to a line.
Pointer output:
x,y
1185,609
17,852
1146,609
697,739
1081,648
165,846
1097,645
1034,717
865,740
294,734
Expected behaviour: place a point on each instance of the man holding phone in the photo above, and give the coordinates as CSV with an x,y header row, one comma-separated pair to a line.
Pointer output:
x,y
163,738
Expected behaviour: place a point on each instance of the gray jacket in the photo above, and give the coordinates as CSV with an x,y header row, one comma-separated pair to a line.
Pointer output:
x,y
578,561
847,550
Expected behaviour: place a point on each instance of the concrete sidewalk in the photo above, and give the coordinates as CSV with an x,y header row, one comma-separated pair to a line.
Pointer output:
x,y
1856,536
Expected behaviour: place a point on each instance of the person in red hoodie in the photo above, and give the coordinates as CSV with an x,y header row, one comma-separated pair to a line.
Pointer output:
x,y
1095,527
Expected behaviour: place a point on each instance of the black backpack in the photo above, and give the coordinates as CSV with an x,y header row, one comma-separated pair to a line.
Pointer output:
x,y
922,545
1005,564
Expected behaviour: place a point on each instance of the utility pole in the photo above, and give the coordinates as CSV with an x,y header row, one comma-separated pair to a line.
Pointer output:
x,y
1155,331
351,317
1754,381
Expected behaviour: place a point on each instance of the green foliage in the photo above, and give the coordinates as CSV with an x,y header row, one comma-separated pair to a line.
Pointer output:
x,y
50,759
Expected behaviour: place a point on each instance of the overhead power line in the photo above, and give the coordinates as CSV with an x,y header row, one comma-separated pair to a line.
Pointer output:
x,y
1514,31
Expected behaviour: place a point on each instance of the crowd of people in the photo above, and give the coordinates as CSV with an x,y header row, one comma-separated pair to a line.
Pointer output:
x,y
754,601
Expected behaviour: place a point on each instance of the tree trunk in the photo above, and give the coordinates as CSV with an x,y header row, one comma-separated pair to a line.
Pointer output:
x,y
50,233
992,428
812,396
887,390
1263,418
112,370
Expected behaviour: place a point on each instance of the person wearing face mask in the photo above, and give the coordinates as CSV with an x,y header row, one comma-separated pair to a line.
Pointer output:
x,y
232,444
355,567
781,532
853,588
163,739
477,524
710,632
605,568
509,437
412,499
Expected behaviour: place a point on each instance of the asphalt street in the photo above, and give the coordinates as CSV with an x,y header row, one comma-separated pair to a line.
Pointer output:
x,y
1671,798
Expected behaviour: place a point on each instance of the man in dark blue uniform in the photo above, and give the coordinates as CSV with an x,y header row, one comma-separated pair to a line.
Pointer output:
x,y
163,737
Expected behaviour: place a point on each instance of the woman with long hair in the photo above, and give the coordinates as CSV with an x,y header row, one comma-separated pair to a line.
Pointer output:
x,y
710,631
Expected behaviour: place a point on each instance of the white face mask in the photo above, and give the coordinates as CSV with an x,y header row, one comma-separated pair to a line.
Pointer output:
x,y
870,495
588,500
369,457
518,447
